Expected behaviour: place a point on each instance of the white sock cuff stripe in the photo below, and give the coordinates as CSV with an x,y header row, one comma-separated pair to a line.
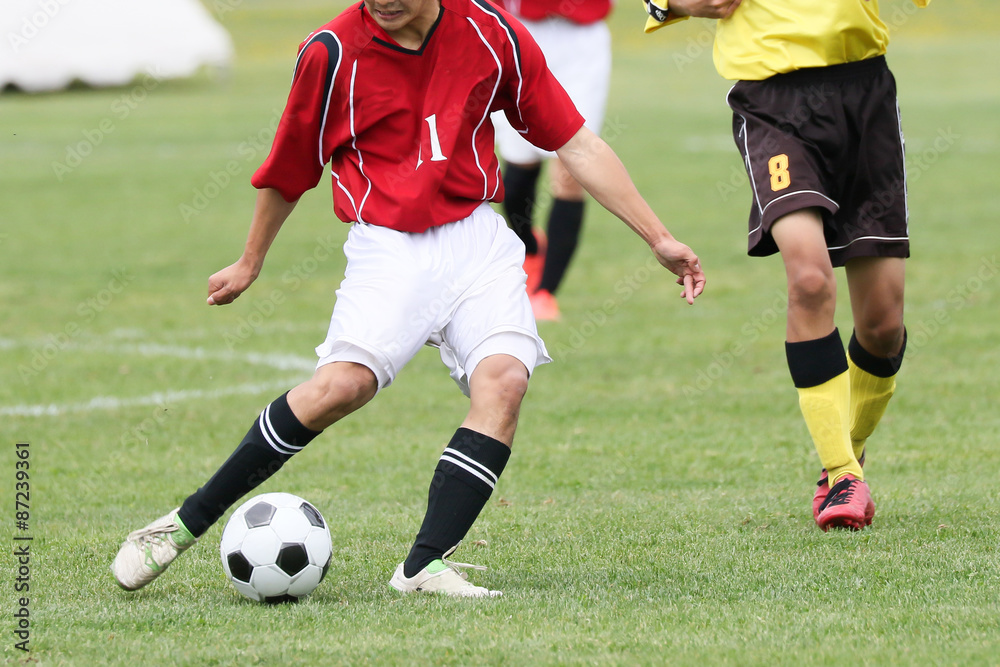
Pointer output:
x,y
272,437
468,468
468,459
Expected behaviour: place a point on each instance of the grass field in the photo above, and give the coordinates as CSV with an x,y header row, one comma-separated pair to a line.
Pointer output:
x,y
657,507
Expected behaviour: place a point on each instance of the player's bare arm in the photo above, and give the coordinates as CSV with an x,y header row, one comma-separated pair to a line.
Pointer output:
x,y
597,168
270,212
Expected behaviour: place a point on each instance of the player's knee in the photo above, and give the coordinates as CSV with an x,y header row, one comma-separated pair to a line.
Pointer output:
x,y
505,385
882,337
343,387
812,287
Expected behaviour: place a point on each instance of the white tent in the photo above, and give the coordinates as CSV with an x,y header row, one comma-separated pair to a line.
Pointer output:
x,y
48,44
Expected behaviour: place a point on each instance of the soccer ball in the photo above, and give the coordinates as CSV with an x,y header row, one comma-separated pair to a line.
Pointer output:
x,y
276,547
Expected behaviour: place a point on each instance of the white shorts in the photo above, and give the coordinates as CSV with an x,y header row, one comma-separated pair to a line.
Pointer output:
x,y
580,58
458,287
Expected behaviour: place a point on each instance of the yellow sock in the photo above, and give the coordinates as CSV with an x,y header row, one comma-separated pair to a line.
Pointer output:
x,y
827,410
870,395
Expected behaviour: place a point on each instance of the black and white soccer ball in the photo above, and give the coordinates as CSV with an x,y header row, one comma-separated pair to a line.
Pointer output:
x,y
276,547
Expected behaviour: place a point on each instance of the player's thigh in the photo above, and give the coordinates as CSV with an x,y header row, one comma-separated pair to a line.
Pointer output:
x,y
387,305
494,317
787,173
801,239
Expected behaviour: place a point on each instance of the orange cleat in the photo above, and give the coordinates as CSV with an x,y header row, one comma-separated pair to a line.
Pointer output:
x,y
544,306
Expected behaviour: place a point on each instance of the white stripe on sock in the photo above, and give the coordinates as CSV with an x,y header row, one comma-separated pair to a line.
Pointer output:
x,y
469,469
272,437
465,457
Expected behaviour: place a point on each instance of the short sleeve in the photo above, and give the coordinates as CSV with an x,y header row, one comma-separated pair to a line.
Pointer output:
x,y
295,163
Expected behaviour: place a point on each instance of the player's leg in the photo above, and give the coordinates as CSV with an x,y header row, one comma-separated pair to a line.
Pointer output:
x,y
282,429
818,364
491,346
565,222
580,58
520,183
465,477
876,349
522,166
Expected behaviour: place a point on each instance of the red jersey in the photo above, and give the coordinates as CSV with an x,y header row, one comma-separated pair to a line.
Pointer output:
x,y
407,133
577,11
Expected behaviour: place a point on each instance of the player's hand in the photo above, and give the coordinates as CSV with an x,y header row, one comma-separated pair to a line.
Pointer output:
x,y
684,264
227,284
709,9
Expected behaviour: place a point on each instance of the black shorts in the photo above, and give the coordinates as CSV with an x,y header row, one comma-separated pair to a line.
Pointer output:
x,y
826,137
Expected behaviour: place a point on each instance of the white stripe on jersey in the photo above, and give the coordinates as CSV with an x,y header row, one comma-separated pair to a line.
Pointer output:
x,y
517,56
326,107
486,112
354,145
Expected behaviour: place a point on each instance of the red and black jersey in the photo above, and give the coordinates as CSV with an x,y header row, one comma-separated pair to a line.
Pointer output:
x,y
577,11
407,132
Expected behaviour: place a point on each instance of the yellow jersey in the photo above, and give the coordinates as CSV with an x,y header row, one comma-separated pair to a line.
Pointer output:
x,y
767,37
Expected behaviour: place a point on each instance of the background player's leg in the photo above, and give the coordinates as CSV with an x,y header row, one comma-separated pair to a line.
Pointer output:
x,y
879,340
565,222
519,183
476,456
817,361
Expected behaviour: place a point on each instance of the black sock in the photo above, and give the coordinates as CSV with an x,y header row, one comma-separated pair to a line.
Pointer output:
x,y
877,366
463,481
813,362
565,221
275,436
519,202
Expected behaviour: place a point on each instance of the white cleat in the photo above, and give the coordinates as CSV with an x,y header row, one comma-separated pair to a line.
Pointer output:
x,y
146,553
444,577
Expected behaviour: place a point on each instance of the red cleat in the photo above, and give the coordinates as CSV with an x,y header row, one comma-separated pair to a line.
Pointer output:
x,y
848,505
544,306
823,490
534,265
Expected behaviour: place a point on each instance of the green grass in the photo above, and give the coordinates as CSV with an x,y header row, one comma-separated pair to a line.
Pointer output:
x,y
656,510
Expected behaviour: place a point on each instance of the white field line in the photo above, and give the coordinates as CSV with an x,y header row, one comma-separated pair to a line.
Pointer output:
x,y
158,398
283,362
